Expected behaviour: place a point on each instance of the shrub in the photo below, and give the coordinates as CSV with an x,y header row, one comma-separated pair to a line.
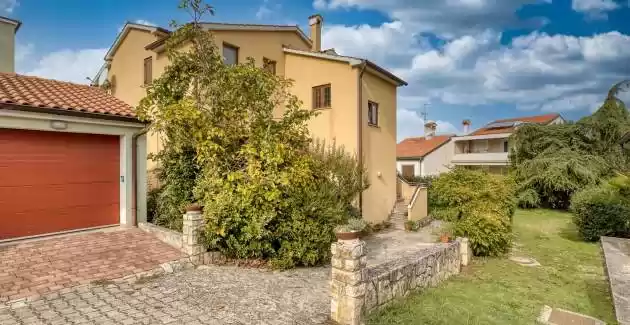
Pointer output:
x,y
480,206
528,199
603,210
489,232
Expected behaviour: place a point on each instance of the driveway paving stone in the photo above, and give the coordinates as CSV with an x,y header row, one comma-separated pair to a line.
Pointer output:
x,y
206,295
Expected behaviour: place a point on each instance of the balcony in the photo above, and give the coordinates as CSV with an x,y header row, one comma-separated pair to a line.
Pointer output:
x,y
485,158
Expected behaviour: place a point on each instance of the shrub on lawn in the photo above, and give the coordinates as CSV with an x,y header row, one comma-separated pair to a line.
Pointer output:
x,y
603,210
479,204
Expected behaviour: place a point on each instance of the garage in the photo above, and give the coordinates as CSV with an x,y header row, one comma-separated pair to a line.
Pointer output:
x,y
67,159
54,181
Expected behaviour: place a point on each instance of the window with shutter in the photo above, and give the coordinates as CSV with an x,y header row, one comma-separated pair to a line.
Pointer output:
x,y
230,54
322,96
372,113
148,70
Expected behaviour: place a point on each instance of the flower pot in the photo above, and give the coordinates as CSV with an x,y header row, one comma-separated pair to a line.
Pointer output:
x,y
445,238
348,235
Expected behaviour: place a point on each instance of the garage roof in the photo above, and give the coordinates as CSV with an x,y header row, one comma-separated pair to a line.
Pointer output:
x,y
37,93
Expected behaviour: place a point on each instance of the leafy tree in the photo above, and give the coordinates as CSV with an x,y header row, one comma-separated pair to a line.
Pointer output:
x,y
550,163
267,191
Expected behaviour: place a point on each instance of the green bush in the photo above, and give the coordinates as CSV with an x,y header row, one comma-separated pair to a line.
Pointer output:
x,y
489,233
267,191
603,210
528,199
480,206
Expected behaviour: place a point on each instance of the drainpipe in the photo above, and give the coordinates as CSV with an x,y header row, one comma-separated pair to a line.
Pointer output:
x,y
360,127
134,179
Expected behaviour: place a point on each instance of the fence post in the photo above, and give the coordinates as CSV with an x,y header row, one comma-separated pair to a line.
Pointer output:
x,y
348,281
464,250
192,232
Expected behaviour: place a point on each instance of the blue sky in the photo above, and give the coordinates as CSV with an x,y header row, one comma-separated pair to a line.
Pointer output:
x,y
463,59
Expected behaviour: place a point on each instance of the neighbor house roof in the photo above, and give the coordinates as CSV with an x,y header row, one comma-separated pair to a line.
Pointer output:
x,y
10,21
239,27
421,146
353,61
38,94
509,125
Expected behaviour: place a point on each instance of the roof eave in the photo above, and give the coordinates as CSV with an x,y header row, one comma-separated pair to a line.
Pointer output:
x,y
128,26
67,112
13,22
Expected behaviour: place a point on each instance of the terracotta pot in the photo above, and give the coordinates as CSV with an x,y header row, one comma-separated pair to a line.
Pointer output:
x,y
445,238
348,235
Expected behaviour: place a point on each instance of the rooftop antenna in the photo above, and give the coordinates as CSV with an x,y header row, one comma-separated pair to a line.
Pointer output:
x,y
424,113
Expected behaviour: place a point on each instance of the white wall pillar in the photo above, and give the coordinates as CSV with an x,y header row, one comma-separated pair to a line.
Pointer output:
x,y
141,178
126,180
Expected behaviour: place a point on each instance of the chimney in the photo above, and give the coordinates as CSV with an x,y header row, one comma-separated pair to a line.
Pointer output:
x,y
429,129
8,28
316,21
466,125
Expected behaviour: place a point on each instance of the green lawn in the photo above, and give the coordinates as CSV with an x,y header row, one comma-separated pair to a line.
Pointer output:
x,y
498,291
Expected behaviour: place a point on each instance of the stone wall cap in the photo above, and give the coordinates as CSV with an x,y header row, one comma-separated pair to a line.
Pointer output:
x,y
193,207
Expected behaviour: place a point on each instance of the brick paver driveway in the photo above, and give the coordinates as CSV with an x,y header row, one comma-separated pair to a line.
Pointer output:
x,y
206,295
38,267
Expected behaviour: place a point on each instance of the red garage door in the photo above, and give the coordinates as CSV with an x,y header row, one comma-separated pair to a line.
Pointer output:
x,y
52,181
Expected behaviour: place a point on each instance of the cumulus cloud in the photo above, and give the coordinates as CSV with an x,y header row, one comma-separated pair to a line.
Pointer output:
x,y
68,65
594,9
268,9
411,124
535,72
445,18
7,6
145,22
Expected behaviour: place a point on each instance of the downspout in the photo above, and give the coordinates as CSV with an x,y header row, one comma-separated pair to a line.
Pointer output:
x,y
134,178
360,127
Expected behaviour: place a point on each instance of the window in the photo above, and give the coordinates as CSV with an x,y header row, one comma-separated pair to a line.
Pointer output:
x,y
505,146
372,113
230,54
269,65
408,171
322,96
148,70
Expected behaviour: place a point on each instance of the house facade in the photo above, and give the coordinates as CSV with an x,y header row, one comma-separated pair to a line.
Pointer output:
x,y
488,147
424,156
355,98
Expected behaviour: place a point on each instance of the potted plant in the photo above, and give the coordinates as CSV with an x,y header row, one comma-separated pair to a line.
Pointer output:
x,y
351,230
409,225
445,236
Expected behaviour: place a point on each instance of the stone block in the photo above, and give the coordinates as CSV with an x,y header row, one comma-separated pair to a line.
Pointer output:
x,y
347,277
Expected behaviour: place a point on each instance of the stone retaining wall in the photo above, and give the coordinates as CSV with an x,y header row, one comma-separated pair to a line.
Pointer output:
x,y
397,278
168,236
357,289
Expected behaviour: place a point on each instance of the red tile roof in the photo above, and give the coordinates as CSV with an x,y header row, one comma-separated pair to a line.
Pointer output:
x,y
53,95
540,119
420,147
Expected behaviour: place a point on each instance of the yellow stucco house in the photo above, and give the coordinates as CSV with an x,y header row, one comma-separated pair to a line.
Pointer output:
x,y
355,97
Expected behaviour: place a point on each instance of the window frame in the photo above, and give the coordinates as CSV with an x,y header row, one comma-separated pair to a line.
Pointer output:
x,y
233,47
147,73
319,96
374,115
404,166
506,147
270,63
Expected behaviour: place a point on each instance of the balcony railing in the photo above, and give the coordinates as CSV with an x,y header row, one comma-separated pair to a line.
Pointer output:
x,y
486,158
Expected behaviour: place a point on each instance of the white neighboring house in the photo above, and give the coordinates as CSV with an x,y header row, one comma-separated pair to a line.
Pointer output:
x,y
488,147
422,156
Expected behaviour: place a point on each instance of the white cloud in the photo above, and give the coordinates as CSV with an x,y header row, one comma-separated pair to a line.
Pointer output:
x,y
7,6
535,72
144,22
410,124
595,9
68,65
268,9
446,18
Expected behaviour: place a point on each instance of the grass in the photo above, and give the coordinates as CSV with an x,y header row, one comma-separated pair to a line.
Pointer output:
x,y
499,291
